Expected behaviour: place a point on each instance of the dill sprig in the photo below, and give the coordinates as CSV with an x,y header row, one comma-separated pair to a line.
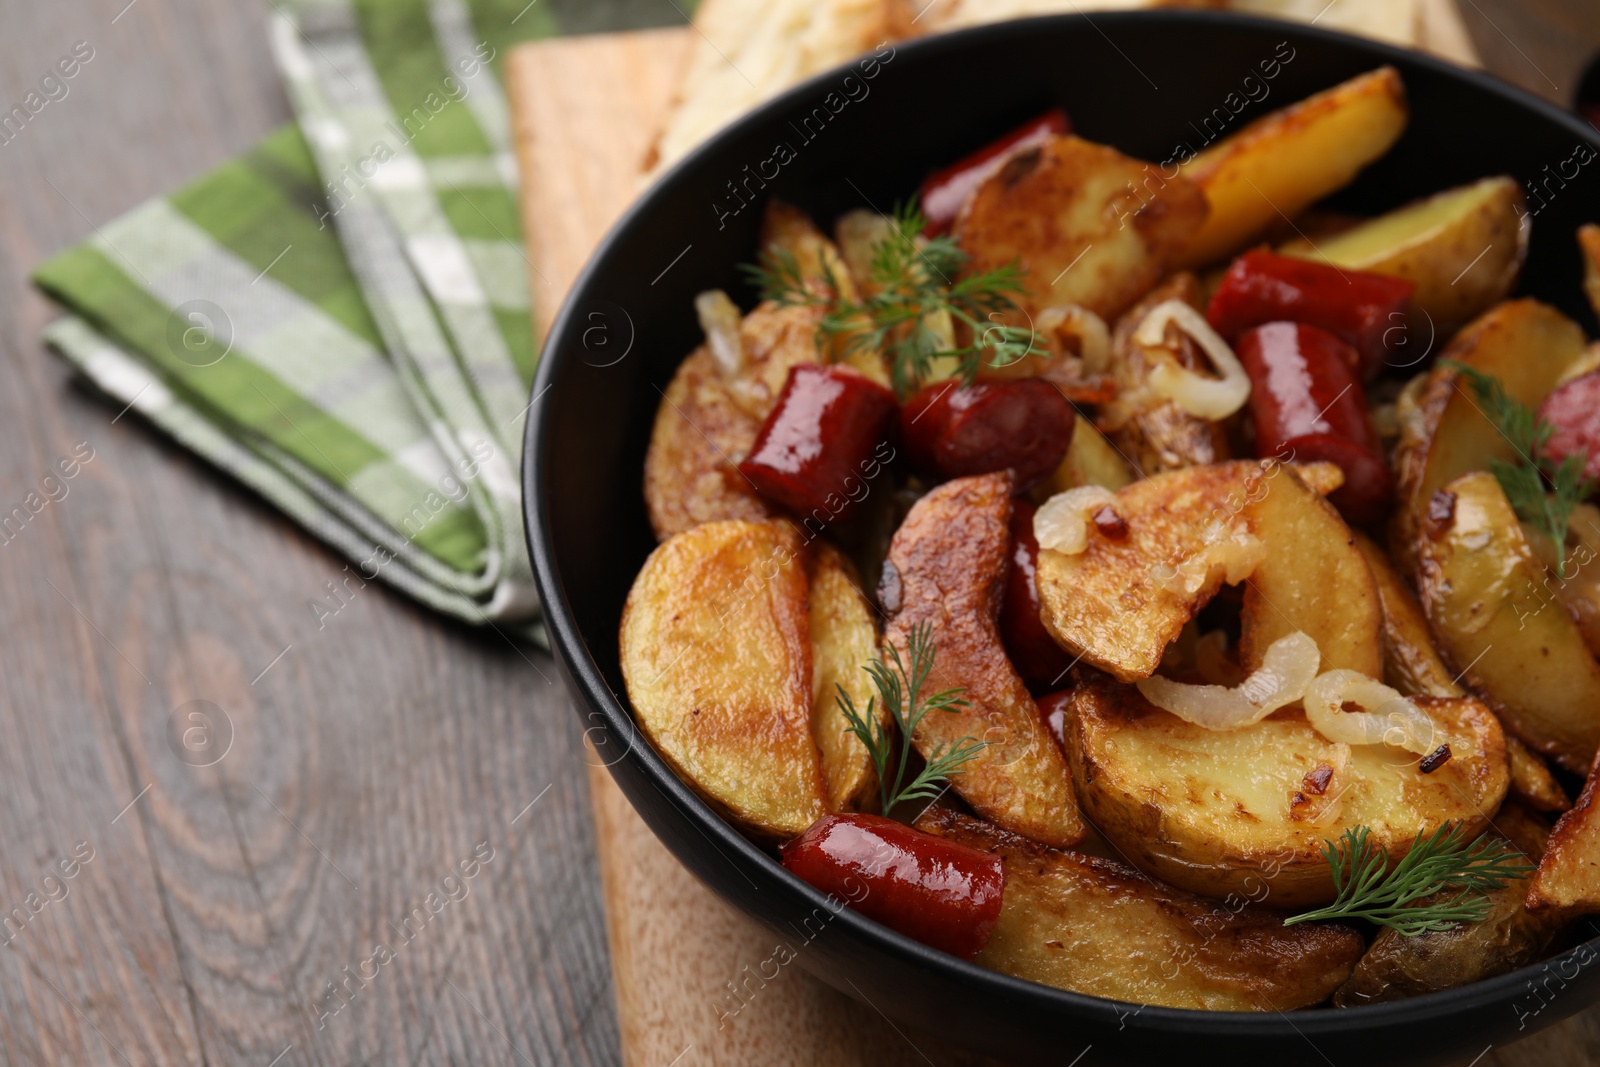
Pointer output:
x,y
1368,889
1525,480
900,689
916,290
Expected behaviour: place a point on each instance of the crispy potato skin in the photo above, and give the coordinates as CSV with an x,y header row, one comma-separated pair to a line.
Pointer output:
x,y
1439,244
1396,966
1528,346
1284,162
1153,432
1526,659
716,654
946,568
844,637
1116,603
706,423
1568,878
1097,926
1069,198
1313,579
1232,812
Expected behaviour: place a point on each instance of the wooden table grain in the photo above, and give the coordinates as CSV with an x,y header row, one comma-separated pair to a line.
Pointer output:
x,y
385,778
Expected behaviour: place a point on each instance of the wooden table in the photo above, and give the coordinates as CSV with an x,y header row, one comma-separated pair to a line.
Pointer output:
x,y
212,909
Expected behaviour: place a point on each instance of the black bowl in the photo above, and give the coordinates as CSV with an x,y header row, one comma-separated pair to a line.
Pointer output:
x,y
1148,83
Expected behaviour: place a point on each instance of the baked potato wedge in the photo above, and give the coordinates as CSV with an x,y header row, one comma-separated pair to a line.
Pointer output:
x,y
1096,926
1090,460
1463,248
844,637
1313,579
1532,784
946,570
1151,430
1397,966
1568,878
1247,811
1087,224
1119,603
1526,659
1445,433
1589,246
1410,662
1284,162
1579,591
716,655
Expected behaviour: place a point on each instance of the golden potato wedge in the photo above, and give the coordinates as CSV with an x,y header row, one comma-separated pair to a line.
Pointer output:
x,y
1397,966
1589,245
1312,579
1579,591
1119,604
1090,460
844,638
1284,162
1099,927
1568,878
1525,344
1247,811
1526,659
1152,431
1531,781
946,569
1320,477
1088,225
1463,248
716,654
1410,662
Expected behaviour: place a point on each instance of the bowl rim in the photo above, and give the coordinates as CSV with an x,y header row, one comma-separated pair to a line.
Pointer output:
x,y
568,643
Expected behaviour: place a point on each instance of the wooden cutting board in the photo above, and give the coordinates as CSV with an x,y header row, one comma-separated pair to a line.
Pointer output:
x,y
585,110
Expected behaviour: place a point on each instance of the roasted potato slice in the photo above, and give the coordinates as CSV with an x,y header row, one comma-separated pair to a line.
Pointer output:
x,y
1568,878
1579,591
1589,245
716,654
1397,966
1120,603
1445,433
946,569
844,638
1096,926
1531,781
1090,460
1313,579
1410,662
1284,162
1527,660
1152,431
1463,248
1247,811
1088,225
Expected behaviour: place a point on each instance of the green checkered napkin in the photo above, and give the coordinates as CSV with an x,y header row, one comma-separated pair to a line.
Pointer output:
x,y
339,318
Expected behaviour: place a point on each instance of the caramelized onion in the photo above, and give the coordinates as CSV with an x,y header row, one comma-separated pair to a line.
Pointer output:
x,y
1386,716
1289,665
1094,339
1236,553
1208,398
719,318
1062,523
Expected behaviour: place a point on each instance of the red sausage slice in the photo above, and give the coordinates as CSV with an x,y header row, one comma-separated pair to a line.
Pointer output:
x,y
823,442
1023,425
1574,410
1365,309
945,191
1307,405
932,890
1033,651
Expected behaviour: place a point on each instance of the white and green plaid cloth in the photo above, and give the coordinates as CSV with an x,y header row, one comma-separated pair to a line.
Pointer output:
x,y
340,318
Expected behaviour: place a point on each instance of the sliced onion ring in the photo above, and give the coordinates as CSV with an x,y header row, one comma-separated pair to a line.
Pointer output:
x,y
1207,398
1094,338
719,318
1289,665
1062,523
1387,718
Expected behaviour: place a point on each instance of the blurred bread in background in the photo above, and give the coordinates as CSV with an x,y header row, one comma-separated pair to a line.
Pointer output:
x,y
749,50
